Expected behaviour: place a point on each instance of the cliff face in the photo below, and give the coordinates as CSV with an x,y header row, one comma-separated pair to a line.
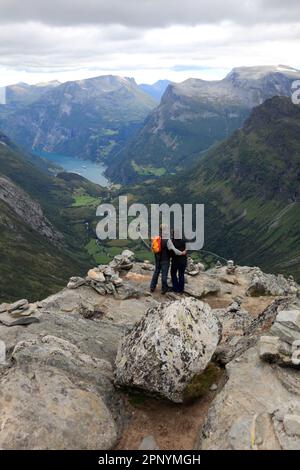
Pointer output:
x,y
61,366
28,210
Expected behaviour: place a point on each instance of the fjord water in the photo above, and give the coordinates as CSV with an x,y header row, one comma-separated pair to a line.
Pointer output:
x,y
93,171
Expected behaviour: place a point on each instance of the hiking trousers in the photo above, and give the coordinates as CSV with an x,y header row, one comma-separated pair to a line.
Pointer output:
x,y
177,275
161,266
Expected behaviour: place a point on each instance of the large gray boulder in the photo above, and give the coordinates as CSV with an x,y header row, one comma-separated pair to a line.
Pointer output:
x,y
168,347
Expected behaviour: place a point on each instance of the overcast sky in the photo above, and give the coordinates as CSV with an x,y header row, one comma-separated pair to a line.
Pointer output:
x,y
43,40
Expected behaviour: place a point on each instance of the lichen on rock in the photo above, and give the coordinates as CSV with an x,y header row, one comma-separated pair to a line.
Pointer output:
x,y
171,344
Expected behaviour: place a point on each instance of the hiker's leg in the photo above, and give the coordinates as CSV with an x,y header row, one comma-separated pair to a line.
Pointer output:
x,y
164,276
181,273
174,276
155,274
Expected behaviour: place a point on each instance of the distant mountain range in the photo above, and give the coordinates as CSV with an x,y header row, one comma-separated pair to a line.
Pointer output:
x,y
113,119
23,94
193,116
91,118
250,185
156,90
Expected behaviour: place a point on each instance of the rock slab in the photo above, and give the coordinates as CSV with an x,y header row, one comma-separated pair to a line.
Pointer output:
x,y
248,413
287,325
58,413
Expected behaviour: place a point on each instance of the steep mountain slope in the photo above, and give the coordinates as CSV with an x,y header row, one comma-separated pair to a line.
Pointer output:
x,y
194,115
90,118
44,225
250,186
156,90
30,265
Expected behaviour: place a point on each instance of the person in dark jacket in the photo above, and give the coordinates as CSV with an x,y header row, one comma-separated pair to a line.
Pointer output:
x,y
162,262
179,264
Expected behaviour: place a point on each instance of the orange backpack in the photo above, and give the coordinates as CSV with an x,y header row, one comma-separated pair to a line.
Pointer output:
x,y
156,244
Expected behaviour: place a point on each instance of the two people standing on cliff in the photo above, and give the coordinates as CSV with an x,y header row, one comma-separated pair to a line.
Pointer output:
x,y
165,249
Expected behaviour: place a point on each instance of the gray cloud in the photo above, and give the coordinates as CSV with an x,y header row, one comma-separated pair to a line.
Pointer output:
x,y
148,13
37,46
157,38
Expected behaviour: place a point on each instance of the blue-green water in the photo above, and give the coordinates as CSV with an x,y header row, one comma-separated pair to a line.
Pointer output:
x,y
92,171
